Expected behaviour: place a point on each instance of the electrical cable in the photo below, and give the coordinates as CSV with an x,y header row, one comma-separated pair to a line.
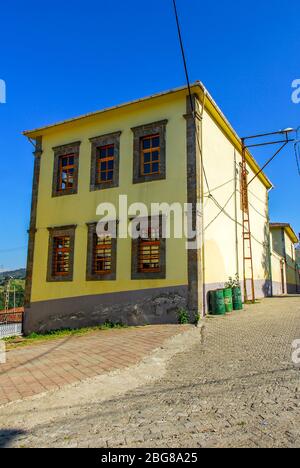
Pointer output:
x,y
222,209
206,194
183,56
220,212
16,249
189,87
232,219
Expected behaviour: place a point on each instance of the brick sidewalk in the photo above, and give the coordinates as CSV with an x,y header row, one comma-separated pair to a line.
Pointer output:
x,y
47,366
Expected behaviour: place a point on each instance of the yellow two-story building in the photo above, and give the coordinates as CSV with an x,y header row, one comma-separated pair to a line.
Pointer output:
x,y
167,148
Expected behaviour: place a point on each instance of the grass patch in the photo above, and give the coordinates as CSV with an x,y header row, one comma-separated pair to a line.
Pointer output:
x,y
33,338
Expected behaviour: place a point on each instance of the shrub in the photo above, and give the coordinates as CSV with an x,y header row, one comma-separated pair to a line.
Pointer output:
x,y
183,317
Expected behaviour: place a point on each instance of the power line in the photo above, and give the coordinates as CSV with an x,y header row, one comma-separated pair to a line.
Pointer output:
x,y
190,91
232,219
15,249
220,212
183,56
218,187
222,209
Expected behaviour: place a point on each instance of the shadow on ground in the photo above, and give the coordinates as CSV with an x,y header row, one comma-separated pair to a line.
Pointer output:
x,y
7,436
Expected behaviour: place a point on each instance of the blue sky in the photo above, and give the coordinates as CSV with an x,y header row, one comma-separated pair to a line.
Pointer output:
x,y
61,59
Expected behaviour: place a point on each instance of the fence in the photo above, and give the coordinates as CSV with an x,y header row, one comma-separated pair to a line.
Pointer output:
x,y
11,323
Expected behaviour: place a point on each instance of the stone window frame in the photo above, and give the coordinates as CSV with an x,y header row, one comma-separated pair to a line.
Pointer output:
x,y
138,275
64,150
90,276
105,140
155,128
57,232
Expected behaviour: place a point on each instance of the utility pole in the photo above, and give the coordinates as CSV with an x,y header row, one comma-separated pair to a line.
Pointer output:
x,y
248,271
6,294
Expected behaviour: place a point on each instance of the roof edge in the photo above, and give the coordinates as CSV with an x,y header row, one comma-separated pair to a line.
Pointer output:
x,y
212,108
288,228
107,109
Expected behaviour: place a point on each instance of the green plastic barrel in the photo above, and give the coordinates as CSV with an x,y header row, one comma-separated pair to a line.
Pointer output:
x,y
217,302
228,299
237,299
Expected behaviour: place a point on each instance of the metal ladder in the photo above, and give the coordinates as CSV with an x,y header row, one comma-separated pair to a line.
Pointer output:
x,y
247,238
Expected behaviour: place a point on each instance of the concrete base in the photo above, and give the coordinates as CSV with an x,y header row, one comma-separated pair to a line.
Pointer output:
x,y
277,289
292,288
289,289
150,306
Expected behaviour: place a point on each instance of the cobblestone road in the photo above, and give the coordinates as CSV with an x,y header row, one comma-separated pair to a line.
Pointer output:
x,y
238,388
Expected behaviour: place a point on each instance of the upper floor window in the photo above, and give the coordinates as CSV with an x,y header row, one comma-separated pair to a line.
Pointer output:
x,y
149,152
105,164
66,165
105,161
61,253
66,173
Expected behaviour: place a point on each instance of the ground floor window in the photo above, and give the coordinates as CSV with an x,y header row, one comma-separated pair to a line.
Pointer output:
x,y
149,254
61,253
101,255
149,251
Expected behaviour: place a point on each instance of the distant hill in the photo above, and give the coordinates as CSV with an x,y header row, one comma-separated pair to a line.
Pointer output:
x,y
17,274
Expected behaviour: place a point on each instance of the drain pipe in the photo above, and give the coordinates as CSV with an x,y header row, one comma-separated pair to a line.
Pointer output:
x,y
202,206
269,253
236,216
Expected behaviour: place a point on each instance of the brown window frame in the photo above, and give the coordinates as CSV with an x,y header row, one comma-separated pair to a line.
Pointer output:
x,y
155,129
64,232
61,152
149,258
138,272
98,143
91,273
101,248
67,168
149,151
61,245
106,159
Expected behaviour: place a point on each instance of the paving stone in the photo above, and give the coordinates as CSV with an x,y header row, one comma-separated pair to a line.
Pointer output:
x,y
238,388
33,369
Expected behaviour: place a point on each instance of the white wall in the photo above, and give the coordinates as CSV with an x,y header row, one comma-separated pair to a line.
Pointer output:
x,y
220,229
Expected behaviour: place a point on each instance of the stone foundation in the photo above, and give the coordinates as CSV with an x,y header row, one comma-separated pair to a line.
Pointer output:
x,y
150,306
